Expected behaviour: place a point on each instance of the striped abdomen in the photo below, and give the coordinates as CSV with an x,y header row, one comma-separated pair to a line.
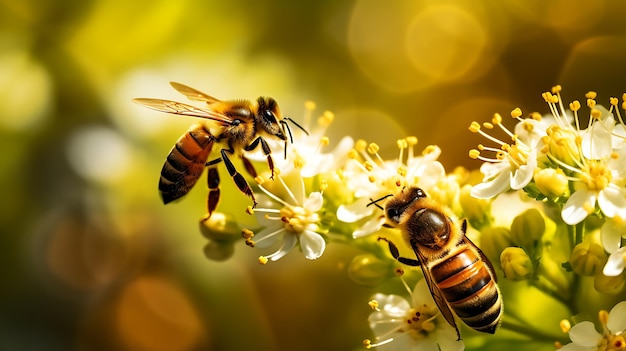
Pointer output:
x,y
469,286
185,163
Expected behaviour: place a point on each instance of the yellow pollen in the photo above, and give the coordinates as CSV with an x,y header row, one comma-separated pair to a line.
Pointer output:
x,y
360,145
373,148
588,207
497,119
624,105
298,162
603,317
500,155
596,114
402,143
614,101
488,125
614,155
528,126
547,96
309,105
536,116
327,118
353,154
516,113
556,89
591,95
250,243
574,105
481,147
372,179
323,185
263,260
624,96
367,343
324,141
474,127
368,166
591,103
249,210
402,171
374,305
565,326
429,150
247,233
411,140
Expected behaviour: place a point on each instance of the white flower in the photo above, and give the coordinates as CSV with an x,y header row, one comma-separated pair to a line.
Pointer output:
x,y
585,337
514,163
598,181
411,325
288,218
369,177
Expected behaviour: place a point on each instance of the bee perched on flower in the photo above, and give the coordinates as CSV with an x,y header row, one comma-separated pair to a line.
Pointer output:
x,y
369,176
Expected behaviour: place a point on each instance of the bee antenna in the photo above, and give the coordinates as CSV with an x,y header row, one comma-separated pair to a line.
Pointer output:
x,y
296,124
375,202
286,126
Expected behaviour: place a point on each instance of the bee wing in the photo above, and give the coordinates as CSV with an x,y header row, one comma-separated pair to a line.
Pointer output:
x,y
437,294
178,108
483,257
193,94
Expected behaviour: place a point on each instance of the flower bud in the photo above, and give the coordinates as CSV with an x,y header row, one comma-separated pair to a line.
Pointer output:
x,y
528,228
219,251
608,285
515,263
551,182
587,258
493,240
220,227
562,144
476,210
367,269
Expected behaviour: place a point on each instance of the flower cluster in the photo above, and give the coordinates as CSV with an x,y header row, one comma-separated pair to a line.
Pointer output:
x,y
548,216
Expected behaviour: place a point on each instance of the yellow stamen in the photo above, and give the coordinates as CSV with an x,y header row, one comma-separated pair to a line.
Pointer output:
x,y
565,326
374,305
309,105
263,260
497,119
324,141
574,105
474,154
250,210
373,148
411,140
556,89
474,127
516,113
591,95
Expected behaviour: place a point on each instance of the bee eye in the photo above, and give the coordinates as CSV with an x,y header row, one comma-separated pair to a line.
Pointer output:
x,y
392,213
269,116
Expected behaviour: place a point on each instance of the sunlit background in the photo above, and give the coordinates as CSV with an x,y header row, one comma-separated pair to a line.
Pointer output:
x,y
92,260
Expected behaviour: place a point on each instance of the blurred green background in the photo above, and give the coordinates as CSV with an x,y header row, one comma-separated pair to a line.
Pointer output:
x,y
91,259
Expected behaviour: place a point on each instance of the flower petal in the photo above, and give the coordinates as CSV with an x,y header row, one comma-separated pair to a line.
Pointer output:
x,y
288,244
612,200
611,235
617,318
575,209
268,236
615,264
353,212
369,227
496,186
314,202
524,174
584,334
312,244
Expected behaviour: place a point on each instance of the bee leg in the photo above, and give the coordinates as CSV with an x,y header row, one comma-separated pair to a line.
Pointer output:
x,y
249,167
266,150
213,181
393,249
239,180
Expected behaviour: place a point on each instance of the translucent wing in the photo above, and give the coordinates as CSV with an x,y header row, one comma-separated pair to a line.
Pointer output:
x,y
484,258
436,293
179,108
193,94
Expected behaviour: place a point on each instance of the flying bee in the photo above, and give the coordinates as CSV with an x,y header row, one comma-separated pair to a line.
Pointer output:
x,y
459,276
240,125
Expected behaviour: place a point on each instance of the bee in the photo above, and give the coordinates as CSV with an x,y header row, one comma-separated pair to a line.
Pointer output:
x,y
239,125
459,276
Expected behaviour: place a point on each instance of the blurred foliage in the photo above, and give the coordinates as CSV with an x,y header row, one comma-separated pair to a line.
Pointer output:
x,y
92,260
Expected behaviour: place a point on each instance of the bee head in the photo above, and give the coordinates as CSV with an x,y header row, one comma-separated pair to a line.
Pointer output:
x,y
269,116
401,203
